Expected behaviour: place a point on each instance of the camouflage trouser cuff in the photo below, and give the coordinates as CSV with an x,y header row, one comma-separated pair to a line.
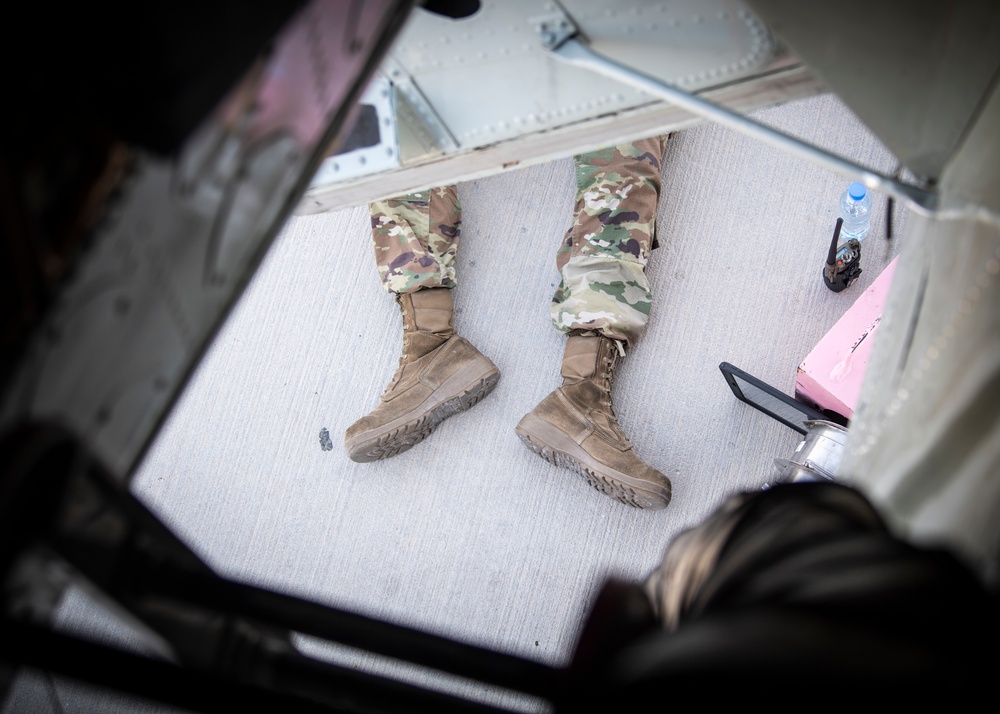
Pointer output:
x,y
604,294
416,239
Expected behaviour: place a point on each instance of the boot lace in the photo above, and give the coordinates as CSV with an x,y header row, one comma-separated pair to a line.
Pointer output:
x,y
404,354
610,362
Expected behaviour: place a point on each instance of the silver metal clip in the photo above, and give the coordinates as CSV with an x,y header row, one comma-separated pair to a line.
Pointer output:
x,y
555,27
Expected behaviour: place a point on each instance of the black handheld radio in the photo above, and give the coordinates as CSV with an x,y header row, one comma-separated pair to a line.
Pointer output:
x,y
843,262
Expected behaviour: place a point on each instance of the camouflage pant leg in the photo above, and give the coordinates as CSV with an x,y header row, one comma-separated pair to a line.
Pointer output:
x,y
416,238
602,260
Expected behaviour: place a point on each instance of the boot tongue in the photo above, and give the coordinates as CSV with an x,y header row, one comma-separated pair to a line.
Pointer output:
x,y
587,371
416,344
429,313
581,357
433,311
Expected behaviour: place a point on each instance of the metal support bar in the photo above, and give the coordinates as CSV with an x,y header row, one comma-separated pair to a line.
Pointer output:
x,y
576,52
318,687
188,590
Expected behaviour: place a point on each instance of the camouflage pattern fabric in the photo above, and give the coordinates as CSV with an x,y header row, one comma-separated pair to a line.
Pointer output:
x,y
601,260
416,238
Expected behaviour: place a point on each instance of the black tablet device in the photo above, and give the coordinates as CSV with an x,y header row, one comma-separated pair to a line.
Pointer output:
x,y
773,402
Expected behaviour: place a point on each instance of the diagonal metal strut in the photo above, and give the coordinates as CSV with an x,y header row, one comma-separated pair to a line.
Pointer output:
x,y
576,52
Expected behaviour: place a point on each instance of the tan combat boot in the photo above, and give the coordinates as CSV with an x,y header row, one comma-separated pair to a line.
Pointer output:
x,y
440,374
575,427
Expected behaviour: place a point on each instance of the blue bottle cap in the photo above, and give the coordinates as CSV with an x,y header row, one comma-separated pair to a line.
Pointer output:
x,y
857,190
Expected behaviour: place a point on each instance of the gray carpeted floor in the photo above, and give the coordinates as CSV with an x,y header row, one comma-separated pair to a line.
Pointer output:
x,y
469,534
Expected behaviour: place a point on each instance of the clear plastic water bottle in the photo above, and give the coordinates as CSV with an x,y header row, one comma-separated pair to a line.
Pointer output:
x,y
856,210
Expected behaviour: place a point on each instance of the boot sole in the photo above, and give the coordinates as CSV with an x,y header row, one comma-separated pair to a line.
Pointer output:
x,y
409,430
559,450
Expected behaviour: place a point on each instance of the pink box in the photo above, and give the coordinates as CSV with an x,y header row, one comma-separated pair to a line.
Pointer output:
x,y
830,377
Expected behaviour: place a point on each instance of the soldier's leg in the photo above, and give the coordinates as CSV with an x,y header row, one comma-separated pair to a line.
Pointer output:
x,y
440,374
602,304
602,260
416,238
